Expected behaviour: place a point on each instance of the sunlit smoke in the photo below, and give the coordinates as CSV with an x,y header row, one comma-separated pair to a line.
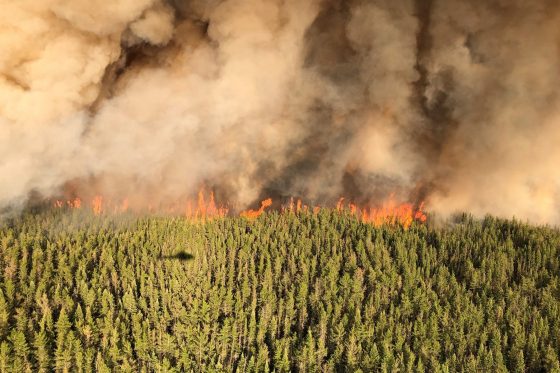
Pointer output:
x,y
449,102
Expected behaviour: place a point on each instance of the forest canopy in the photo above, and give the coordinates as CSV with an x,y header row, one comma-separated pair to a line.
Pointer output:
x,y
282,292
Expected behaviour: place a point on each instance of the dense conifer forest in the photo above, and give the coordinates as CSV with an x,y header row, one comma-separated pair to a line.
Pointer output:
x,y
283,292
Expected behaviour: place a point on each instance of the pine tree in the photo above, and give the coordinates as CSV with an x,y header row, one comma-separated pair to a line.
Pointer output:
x,y
20,351
63,353
6,362
4,314
552,364
42,353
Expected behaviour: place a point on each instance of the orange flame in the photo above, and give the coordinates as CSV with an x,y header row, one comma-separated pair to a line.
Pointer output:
x,y
296,207
204,207
124,205
390,213
76,203
340,204
97,205
252,214
204,210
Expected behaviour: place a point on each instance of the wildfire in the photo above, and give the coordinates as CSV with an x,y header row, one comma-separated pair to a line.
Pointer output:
x,y
390,213
298,206
252,214
97,205
204,210
204,207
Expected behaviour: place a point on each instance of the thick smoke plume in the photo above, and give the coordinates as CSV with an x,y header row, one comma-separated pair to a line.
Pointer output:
x,y
454,102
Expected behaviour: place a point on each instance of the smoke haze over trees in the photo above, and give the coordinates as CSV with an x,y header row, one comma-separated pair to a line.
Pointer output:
x,y
453,102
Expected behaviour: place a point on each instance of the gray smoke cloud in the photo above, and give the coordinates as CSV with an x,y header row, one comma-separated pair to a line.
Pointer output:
x,y
451,102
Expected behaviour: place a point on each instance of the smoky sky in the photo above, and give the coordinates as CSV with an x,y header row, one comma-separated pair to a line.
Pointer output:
x,y
451,102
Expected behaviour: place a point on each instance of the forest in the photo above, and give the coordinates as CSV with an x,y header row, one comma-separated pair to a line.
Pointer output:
x,y
303,292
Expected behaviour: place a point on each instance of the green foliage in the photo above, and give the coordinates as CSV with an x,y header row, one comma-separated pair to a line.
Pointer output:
x,y
284,292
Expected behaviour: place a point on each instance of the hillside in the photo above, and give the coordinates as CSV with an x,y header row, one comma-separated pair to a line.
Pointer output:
x,y
284,292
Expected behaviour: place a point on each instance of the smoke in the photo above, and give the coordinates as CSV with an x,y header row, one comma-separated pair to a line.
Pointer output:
x,y
453,102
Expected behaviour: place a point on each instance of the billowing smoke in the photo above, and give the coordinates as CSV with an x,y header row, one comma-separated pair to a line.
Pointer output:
x,y
454,102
